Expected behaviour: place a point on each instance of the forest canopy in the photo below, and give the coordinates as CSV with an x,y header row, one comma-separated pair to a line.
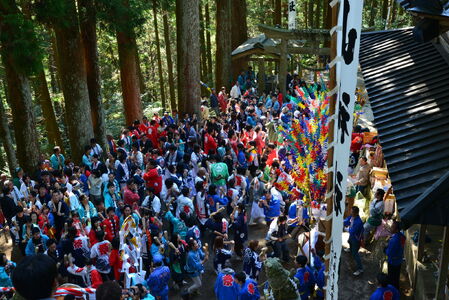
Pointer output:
x,y
73,70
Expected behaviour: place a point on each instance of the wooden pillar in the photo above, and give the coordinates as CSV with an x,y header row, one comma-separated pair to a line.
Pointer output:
x,y
421,241
444,262
283,66
261,79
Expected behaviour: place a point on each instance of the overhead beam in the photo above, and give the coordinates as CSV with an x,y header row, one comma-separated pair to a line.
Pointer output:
x,y
296,34
300,50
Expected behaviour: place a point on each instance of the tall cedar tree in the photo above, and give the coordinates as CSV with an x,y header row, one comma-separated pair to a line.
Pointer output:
x,y
239,34
203,45
159,58
223,38
63,17
88,21
42,94
123,16
188,49
6,139
208,42
168,51
20,59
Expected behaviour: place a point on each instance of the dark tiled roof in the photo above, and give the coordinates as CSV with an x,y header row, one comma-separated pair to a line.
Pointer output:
x,y
427,7
408,88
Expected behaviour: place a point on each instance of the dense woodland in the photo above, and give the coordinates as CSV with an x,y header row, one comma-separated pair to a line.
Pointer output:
x,y
77,69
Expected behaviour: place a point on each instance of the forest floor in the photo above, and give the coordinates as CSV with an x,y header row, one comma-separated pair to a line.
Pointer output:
x,y
350,287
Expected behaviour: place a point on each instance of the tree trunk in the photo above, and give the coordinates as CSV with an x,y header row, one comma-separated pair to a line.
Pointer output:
x,y
54,51
373,12
223,37
310,13
52,69
159,59
326,8
88,21
393,11
140,73
278,12
208,45
318,14
18,92
239,34
306,14
6,138
126,44
385,10
43,95
188,48
203,45
171,81
74,83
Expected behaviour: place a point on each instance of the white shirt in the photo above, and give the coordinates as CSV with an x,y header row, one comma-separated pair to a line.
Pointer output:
x,y
235,92
24,188
96,150
182,202
16,195
155,203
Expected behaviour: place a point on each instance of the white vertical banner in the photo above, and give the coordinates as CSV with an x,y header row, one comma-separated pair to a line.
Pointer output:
x,y
347,61
291,14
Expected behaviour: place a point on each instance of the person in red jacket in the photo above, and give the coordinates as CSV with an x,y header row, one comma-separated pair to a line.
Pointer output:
x,y
91,276
115,259
130,195
152,177
152,133
111,225
209,142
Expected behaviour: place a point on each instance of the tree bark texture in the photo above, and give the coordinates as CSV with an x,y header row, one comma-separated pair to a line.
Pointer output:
x,y
19,94
74,83
318,14
188,48
239,29
310,13
43,95
129,77
89,39
159,58
385,9
6,138
203,45
278,12
171,81
208,43
373,12
223,38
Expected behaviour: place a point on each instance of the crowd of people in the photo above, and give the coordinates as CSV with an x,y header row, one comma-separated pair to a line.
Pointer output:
x,y
188,187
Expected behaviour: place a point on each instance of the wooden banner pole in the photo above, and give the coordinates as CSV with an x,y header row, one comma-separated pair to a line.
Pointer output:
x,y
330,154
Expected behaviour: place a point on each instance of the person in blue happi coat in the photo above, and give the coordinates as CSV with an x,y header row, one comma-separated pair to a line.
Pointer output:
x,y
298,218
226,287
158,279
271,206
355,228
385,290
395,254
305,277
249,289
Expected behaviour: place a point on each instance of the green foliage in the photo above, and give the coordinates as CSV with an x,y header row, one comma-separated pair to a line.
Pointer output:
x,y
280,281
55,12
122,15
20,41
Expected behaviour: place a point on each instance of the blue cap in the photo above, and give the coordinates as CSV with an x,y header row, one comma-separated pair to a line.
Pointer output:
x,y
157,258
